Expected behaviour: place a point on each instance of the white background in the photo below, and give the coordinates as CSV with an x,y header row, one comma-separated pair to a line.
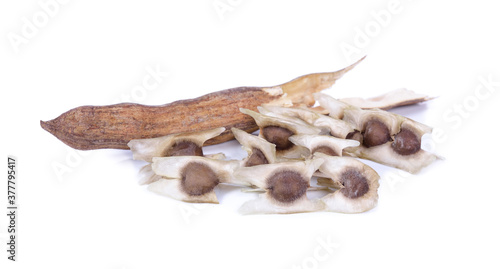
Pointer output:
x,y
95,215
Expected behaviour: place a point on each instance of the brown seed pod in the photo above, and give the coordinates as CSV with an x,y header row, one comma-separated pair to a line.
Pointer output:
x,y
191,178
277,131
357,181
259,150
183,144
113,126
285,186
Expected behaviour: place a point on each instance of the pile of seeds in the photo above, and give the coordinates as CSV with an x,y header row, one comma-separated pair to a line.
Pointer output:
x,y
293,145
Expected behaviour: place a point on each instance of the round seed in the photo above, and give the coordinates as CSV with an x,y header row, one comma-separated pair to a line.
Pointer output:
x,y
278,136
257,157
184,148
355,135
376,133
406,142
355,184
198,179
287,186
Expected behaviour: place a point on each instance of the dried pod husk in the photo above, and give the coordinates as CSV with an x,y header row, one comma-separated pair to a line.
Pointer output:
x,y
181,144
334,127
113,126
395,98
277,131
328,145
285,186
259,150
357,181
191,178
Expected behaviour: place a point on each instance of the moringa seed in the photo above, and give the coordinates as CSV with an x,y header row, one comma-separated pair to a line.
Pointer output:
x,y
184,148
406,142
278,136
356,135
376,133
287,186
326,150
256,158
355,184
198,179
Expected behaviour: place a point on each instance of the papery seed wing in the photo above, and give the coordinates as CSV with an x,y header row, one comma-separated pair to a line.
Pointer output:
x,y
172,188
333,106
395,98
321,143
147,175
264,205
384,154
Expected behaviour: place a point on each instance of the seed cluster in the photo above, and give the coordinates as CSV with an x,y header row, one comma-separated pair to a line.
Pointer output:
x,y
293,147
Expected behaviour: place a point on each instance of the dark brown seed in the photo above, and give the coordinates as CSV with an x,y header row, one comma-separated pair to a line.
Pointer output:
x,y
376,133
257,157
326,150
287,186
406,142
198,179
184,148
356,135
355,184
278,136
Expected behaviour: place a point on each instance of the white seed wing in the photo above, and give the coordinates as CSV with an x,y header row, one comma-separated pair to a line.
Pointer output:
x,y
265,205
388,100
384,154
172,189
